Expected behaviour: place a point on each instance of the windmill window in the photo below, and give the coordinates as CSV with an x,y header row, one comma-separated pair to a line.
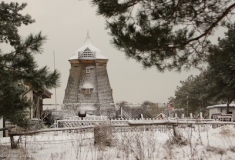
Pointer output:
x,y
88,70
88,91
87,54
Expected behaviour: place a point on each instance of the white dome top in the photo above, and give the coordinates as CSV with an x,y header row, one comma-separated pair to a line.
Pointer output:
x,y
91,47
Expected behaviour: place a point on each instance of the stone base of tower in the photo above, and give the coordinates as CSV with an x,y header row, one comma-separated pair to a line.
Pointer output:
x,y
71,110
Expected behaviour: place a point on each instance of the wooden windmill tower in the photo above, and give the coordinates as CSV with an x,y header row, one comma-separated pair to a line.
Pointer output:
x,y
88,86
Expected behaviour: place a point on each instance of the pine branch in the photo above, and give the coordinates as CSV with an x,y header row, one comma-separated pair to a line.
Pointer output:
x,y
231,7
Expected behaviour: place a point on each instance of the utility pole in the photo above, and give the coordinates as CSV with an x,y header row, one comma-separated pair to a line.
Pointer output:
x,y
55,87
55,96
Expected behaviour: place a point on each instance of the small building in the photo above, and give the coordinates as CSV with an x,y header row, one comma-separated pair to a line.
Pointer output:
x,y
37,97
221,109
161,116
129,111
35,111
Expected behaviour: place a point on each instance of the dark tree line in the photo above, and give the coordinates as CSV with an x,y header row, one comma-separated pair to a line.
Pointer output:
x,y
217,82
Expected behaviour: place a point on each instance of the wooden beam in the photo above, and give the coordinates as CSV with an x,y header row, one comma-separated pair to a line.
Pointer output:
x,y
7,128
171,122
48,130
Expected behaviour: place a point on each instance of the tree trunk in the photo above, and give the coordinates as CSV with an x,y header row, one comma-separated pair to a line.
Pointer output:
x,y
4,125
13,143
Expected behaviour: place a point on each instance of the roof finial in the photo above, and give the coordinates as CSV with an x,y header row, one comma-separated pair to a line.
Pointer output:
x,y
88,36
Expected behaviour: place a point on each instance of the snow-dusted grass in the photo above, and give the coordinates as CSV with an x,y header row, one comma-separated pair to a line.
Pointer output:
x,y
196,143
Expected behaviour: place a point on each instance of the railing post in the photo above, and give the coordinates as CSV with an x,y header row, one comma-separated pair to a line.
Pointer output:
x,y
200,115
121,113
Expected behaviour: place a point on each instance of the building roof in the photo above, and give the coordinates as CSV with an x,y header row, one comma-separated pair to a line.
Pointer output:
x,y
87,86
46,93
221,106
42,92
161,116
88,46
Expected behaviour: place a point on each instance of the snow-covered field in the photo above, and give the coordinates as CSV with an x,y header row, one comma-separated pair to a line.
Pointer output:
x,y
195,144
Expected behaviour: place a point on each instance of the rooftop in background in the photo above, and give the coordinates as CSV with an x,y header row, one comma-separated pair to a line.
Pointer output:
x,y
221,106
88,51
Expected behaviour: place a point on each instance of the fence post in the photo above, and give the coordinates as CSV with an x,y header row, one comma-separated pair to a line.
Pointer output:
x,y
200,115
182,116
142,117
121,113
175,129
191,116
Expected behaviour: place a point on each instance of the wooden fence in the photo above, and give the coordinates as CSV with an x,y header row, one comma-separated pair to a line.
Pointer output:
x,y
123,125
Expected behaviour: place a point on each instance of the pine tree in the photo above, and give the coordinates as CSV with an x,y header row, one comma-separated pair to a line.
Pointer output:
x,y
168,34
221,70
193,94
217,82
19,66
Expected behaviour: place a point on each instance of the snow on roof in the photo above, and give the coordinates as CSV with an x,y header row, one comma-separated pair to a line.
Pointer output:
x,y
161,116
87,85
91,47
87,107
220,106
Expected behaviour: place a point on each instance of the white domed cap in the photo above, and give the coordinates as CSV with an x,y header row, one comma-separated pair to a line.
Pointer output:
x,y
91,47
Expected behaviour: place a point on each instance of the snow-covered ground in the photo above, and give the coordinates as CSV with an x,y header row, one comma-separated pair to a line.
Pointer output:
x,y
195,143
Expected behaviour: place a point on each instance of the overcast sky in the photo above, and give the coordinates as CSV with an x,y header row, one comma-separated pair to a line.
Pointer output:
x,y
66,22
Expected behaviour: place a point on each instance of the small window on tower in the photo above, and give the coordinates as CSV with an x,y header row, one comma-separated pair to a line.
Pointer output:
x,y
88,70
88,91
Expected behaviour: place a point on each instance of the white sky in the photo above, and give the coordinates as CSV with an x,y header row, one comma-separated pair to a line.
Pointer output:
x,y
65,23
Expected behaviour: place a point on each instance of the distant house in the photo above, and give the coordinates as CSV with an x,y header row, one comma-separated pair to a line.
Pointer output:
x,y
129,111
161,116
222,109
